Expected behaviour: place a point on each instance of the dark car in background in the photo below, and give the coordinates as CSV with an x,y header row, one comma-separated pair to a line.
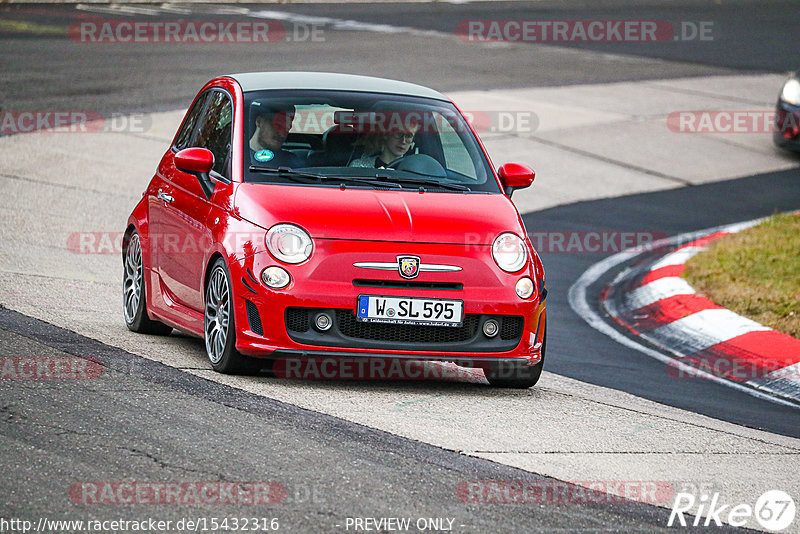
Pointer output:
x,y
787,119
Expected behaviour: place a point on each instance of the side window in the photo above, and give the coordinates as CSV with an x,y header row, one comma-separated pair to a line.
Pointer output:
x,y
215,131
186,134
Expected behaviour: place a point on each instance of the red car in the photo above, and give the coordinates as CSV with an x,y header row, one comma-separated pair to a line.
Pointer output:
x,y
299,215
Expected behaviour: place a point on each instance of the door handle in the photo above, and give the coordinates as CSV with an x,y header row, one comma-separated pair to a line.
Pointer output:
x,y
165,197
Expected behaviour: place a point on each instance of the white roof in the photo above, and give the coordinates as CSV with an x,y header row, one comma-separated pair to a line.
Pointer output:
x,y
258,81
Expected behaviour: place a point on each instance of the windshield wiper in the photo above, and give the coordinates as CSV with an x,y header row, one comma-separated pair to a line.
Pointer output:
x,y
287,171
321,178
421,181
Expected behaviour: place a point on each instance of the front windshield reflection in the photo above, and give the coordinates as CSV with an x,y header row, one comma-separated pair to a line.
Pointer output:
x,y
317,137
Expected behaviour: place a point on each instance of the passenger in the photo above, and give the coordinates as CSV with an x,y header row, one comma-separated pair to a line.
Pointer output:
x,y
272,127
381,149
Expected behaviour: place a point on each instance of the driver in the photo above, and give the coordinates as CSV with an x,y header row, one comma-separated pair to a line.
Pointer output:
x,y
381,149
273,123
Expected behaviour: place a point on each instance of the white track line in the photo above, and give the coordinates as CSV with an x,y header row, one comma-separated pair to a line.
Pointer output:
x,y
663,288
679,257
707,328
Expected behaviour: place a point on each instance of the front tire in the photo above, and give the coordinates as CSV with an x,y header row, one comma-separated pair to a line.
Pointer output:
x,y
219,326
515,376
134,304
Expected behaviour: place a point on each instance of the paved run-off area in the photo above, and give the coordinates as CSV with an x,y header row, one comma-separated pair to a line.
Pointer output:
x,y
592,141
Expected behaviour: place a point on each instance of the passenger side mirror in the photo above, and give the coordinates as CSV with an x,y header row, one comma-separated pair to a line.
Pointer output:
x,y
197,161
514,176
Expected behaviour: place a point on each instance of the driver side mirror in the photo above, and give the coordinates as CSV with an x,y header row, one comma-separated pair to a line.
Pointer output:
x,y
515,176
198,162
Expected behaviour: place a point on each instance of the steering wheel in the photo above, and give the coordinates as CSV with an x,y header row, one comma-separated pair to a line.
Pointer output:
x,y
422,164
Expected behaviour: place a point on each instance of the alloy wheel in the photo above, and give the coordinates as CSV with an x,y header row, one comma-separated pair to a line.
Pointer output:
x,y
217,315
132,284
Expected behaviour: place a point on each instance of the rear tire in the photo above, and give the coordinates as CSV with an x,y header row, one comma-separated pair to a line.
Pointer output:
x,y
516,376
219,328
134,300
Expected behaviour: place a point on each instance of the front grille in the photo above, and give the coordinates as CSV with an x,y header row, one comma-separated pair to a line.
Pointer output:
x,y
406,284
404,333
349,332
254,318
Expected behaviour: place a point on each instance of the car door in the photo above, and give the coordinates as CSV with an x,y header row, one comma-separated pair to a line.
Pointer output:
x,y
181,210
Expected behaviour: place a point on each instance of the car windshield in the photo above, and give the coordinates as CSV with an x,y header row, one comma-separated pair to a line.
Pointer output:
x,y
358,139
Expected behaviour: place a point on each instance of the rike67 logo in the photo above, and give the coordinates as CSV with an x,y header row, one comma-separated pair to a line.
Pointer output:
x,y
774,510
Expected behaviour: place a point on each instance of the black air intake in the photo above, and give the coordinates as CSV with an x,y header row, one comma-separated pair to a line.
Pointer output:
x,y
254,318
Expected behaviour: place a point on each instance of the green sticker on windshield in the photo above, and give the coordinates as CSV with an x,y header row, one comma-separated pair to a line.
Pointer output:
x,y
264,155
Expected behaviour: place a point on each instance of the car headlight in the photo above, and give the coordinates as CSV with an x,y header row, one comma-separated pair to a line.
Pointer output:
x,y
289,243
275,277
791,92
508,251
524,287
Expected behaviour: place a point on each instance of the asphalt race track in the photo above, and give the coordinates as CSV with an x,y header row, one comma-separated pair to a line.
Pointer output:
x,y
195,428
373,449
42,68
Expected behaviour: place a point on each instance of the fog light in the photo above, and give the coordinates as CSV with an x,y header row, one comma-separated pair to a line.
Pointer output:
x,y
490,328
323,322
275,277
524,287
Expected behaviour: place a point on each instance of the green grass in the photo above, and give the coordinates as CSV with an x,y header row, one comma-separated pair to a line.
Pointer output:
x,y
755,273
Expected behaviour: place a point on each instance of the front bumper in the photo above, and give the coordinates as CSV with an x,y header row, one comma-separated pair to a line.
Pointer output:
x,y
275,323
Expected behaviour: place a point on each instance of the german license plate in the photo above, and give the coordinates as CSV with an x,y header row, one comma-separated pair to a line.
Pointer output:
x,y
407,310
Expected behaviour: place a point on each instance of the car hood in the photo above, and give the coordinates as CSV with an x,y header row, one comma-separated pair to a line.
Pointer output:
x,y
379,215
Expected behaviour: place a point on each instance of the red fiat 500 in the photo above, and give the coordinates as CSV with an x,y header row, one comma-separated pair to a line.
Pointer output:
x,y
297,215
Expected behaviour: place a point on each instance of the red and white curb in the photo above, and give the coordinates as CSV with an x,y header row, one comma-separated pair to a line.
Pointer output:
x,y
696,337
